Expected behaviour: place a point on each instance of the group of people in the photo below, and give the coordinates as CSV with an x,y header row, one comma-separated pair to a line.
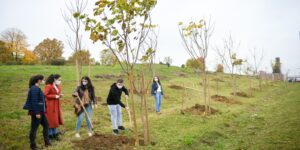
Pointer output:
x,y
44,107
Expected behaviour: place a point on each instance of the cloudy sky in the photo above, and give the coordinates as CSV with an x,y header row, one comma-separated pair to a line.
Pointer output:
x,y
269,25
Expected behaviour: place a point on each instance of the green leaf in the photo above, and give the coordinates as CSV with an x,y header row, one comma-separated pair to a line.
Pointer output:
x,y
76,14
87,28
115,32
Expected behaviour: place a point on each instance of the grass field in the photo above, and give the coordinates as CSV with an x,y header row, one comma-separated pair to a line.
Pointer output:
x,y
268,120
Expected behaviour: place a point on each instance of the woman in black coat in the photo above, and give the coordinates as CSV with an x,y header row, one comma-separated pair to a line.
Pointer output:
x,y
36,106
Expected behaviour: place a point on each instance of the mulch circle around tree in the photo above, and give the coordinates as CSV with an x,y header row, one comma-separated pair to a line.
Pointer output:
x,y
224,99
177,87
241,94
105,142
199,110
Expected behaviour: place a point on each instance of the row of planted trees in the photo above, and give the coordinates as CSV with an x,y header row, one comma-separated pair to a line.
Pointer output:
x,y
196,38
126,30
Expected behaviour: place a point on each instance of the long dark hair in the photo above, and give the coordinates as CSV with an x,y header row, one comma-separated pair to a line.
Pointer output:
x,y
158,80
52,78
89,85
34,79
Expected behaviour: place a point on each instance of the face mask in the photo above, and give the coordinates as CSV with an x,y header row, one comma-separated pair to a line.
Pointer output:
x,y
84,82
57,82
120,86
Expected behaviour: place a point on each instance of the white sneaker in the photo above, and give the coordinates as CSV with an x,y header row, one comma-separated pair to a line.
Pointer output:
x,y
90,134
77,135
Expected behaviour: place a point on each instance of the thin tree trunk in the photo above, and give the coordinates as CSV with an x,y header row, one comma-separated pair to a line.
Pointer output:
x,y
259,81
204,92
209,100
233,85
89,74
217,90
146,124
250,84
183,97
142,114
131,80
77,72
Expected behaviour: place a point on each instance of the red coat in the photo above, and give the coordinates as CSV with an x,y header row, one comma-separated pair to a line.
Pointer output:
x,y
53,109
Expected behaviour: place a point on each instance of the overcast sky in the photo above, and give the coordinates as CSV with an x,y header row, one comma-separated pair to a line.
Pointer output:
x,y
269,25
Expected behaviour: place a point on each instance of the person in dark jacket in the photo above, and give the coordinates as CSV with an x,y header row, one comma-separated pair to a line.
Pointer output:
x,y
114,105
157,92
86,92
36,106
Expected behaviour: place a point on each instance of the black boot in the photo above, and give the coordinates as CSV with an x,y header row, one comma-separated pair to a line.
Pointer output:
x,y
47,143
51,137
116,132
121,128
33,146
56,137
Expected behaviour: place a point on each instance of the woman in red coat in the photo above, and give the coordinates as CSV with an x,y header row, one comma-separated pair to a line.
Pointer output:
x,y
53,110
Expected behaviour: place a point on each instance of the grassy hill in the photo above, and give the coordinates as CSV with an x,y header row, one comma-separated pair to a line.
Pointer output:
x,y
267,120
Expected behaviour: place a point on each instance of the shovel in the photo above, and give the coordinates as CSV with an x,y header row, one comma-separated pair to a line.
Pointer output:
x,y
87,115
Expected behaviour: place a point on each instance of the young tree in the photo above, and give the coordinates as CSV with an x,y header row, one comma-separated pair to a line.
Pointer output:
x,y
49,49
71,17
228,56
149,48
168,61
122,26
256,63
15,40
248,70
196,40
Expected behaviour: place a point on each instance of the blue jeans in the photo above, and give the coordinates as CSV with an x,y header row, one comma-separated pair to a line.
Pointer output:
x,y
80,118
115,115
158,100
52,131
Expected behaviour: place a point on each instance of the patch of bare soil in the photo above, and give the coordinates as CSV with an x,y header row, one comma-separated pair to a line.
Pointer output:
x,y
241,94
199,110
105,142
181,74
177,87
224,99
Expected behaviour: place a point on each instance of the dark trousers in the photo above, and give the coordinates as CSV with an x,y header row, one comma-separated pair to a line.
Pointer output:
x,y
35,122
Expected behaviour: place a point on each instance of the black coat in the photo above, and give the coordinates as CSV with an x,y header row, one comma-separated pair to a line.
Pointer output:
x,y
114,96
35,100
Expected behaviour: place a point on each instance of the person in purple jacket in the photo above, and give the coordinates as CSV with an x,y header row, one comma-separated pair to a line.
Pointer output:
x,y
36,106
